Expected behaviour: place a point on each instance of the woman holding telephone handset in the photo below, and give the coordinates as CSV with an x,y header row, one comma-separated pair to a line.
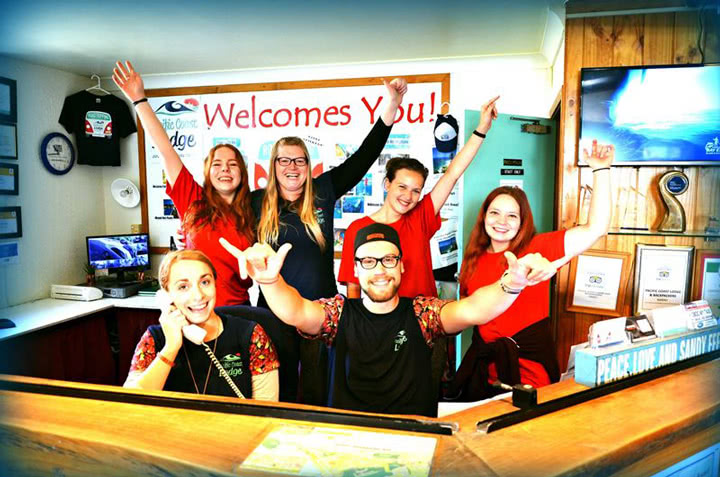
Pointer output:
x,y
196,349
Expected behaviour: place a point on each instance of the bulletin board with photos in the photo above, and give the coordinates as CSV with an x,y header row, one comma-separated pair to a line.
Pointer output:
x,y
331,116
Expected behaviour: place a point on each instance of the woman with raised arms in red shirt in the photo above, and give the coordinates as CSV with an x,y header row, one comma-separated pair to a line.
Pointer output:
x,y
219,208
517,346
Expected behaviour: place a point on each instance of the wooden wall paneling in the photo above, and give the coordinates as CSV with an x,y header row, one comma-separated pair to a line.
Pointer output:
x,y
707,189
624,40
712,36
685,38
598,42
658,39
564,321
566,175
647,185
628,33
625,180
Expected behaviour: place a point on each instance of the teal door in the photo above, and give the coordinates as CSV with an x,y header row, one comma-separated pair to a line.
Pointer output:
x,y
505,145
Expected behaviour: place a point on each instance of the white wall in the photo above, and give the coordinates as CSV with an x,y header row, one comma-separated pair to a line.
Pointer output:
x,y
57,211
79,204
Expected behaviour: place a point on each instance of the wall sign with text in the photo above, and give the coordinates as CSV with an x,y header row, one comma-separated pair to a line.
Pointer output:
x,y
332,117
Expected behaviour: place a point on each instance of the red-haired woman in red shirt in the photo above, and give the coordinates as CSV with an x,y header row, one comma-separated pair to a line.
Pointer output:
x,y
517,346
218,208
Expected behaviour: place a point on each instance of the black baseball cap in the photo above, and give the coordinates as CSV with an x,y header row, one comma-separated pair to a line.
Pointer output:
x,y
377,232
446,133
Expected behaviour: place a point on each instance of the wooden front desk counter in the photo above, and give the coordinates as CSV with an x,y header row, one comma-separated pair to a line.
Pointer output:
x,y
637,431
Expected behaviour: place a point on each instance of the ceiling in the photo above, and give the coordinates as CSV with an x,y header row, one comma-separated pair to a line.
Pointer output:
x,y
181,36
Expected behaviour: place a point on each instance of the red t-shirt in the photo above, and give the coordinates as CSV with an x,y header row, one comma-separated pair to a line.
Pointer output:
x,y
415,230
531,306
231,290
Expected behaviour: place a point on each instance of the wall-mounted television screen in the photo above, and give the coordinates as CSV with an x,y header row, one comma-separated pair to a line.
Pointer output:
x,y
657,115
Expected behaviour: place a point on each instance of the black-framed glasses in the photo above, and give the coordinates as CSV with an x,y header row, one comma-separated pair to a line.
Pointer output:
x,y
388,261
298,161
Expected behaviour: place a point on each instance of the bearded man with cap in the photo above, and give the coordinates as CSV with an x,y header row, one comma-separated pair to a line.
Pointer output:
x,y
416,219
381,344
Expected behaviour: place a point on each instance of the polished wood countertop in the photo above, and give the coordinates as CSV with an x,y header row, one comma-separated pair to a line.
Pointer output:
x,y
637,431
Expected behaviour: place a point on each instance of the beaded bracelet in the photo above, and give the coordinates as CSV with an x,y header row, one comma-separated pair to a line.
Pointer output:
x,y
507,289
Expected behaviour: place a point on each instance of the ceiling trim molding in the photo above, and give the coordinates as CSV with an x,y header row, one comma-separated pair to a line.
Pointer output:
x,y
602,8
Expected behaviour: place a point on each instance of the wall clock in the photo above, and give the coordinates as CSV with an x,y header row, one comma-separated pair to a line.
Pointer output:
x,y
57,153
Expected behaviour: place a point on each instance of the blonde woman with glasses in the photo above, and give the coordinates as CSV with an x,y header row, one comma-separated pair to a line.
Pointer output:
x,y
297,209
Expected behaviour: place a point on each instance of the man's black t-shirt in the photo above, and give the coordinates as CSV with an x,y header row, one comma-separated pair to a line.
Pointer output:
x,y
382,362
98,123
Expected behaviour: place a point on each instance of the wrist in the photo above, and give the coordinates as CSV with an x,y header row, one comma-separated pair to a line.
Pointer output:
x,y
140,101
270,281
509,287
165,360
479,133
170,350
167,356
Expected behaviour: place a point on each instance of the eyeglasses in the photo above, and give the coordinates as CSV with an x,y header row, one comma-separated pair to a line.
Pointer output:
x,y
388,261
298,161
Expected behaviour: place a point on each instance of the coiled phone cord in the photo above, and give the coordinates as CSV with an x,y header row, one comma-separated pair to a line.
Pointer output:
x,y
222,371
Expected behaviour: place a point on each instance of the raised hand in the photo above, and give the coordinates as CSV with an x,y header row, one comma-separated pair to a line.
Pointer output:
x,y
129,81
396,89
488,113
260,261
180,239
529,270
600,155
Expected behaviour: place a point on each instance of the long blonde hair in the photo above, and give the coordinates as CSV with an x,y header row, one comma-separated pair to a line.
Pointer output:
x,y
212,207
269,225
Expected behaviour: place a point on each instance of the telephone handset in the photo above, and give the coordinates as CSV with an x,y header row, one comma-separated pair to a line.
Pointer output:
x,y
196,334
192,332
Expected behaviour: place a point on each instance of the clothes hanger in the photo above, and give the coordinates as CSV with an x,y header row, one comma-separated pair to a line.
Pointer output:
x,y
97,87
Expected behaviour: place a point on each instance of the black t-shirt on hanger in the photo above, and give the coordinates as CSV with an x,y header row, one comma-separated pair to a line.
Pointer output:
x,y
98,123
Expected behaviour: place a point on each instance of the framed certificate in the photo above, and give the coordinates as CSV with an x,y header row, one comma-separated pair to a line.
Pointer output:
x,y
10,222
8,100
8,179
598,280
8,141
706,279
662,276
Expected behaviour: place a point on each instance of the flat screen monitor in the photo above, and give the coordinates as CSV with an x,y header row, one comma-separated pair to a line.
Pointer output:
x,y
119,253
658,115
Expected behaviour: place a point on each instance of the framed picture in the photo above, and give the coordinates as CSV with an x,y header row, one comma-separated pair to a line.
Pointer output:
x,y
706,279
10,222
8,179
598,281
8,141
8,100
662,276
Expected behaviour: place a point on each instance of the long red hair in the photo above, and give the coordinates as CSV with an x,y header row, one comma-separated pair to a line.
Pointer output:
x,y
212,207
479,240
